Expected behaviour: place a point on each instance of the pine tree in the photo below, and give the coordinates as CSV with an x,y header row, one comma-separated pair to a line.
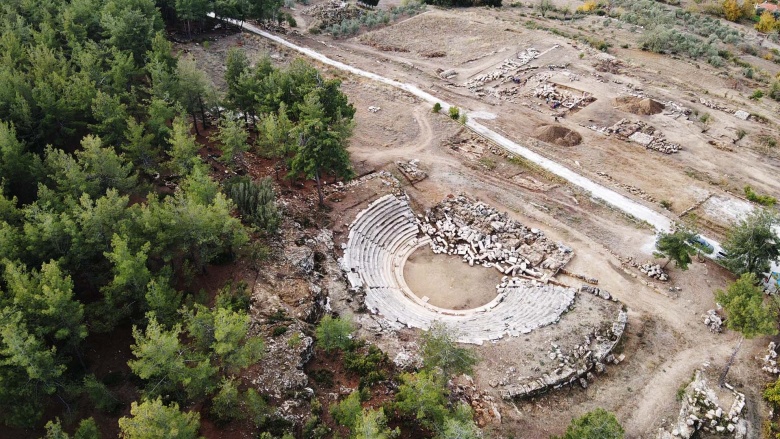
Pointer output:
x,y
183,149
334,333
232,136
675,246
321,144
745,307
168,366
151,419
372,424
751,243
439,350
422,396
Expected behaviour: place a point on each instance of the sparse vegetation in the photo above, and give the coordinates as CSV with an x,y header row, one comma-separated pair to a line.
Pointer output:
x,y
598,423
764,200
374,19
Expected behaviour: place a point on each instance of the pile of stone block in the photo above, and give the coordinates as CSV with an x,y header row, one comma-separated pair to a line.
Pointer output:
x,y
714,321
770,360
557,98
653,271
482,235
505,71
643,134
331,12
412,171
701,410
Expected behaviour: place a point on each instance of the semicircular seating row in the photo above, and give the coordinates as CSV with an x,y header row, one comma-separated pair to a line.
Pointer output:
x,y
383,236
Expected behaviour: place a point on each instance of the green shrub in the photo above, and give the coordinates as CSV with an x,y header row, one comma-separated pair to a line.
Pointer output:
x,y
348,411
322,376
290,20
764,200
368,365
295,340
436,107
315,429
279,330
256,201
774,92
334,333
236,297
454,112
758,94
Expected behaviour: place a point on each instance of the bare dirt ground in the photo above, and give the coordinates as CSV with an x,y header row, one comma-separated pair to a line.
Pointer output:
x,y
665,340
447,282
477,41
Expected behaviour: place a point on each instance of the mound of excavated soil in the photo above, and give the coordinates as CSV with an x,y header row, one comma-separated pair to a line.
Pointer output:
x,y
636,105
558,135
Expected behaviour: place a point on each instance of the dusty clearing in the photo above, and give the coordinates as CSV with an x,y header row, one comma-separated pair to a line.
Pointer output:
x,y
447,282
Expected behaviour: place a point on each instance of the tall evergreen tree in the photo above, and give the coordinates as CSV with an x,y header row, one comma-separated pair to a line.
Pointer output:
x,y
321,144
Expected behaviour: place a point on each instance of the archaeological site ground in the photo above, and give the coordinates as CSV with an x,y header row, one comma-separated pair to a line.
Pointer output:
x,y
296,221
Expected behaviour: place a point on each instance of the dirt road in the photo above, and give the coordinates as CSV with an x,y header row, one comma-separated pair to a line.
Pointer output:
x,y
658,221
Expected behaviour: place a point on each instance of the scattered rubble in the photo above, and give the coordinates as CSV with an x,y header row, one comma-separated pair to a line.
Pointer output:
x,y
701,410
282,365
412,171
467,143
627,187
714,321
770,360
483,235
331,12
715,106
555,97
507,69
604,294
653,271
582,277
374,109
575,367
408,360
485,408
641,133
